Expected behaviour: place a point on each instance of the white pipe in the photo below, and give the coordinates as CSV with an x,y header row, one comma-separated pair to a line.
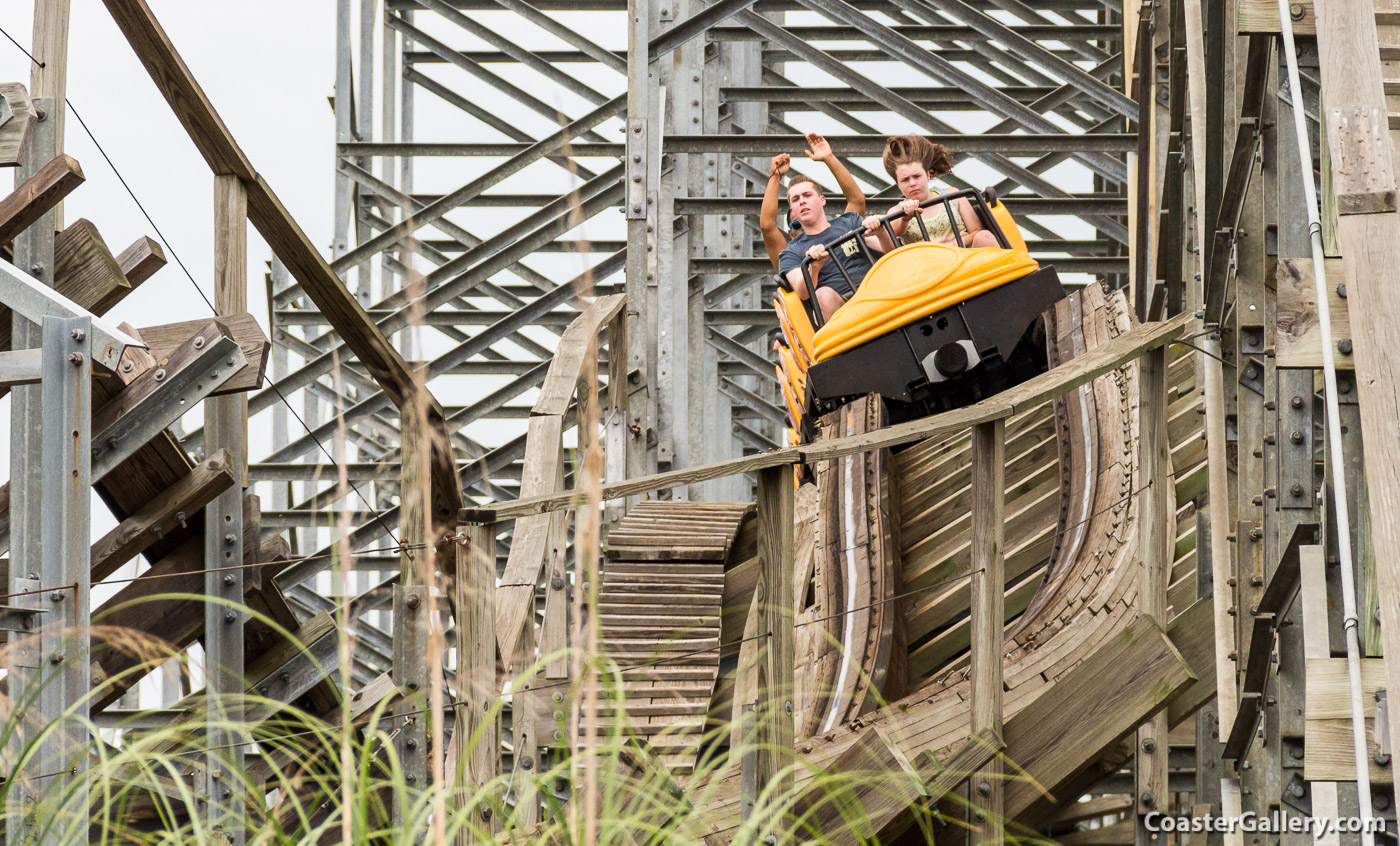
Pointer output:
x,y
1334,432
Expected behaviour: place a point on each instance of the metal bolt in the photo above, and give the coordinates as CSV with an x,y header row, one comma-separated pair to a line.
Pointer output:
x,y
980,815
787,707
79,335
199,342
55,659
227,793
486,813
770,840
1296,490
1296,402
230,539
75,358
1295,789
1251,371
1342,291
410,743
1271,492
1344,346
181,519
1295,752
1296,436
127,367
558,697
263,690
229,579
56,596
1149,745
1295,11
984,789
556,583
413,600
1343,386
1382,759
636,209
1148,800
527,763
411,778
1380,801
36,268
1270,439
160,374
230,616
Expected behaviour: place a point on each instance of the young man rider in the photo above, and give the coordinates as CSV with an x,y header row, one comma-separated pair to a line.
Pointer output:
x,y
775,238
807,206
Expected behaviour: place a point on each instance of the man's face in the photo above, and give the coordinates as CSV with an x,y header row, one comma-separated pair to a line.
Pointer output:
x,y
806,203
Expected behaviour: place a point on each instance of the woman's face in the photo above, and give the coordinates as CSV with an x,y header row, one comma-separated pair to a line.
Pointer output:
x,y
912,180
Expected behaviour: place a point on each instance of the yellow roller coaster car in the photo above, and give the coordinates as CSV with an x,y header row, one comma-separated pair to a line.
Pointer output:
x,y
931,326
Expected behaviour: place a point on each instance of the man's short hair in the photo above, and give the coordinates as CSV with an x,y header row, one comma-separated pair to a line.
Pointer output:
x,y
801,178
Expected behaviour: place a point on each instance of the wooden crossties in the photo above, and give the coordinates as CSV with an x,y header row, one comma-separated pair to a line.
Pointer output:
x,y
659,613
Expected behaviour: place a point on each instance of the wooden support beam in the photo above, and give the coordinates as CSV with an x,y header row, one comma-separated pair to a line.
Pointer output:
x,y
182,502
82,263
988,508
141,260
775,669
241,326
411,617
38,194
1363,180
289,243
1155,523
476,742
226,428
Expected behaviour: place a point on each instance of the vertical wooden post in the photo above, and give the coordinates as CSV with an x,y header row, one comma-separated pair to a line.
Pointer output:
x,y
226,423
476,739
775,671
411,605
1154,549
49,74
988,617
524,711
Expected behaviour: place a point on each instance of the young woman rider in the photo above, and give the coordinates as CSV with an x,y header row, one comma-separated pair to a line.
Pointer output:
x,y
912,161
775,239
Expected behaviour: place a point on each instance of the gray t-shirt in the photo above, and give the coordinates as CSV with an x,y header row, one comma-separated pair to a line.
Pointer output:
x,y
852,257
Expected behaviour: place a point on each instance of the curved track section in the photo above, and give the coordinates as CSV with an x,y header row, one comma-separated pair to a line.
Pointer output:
x,y
659,612
1088,591
846,620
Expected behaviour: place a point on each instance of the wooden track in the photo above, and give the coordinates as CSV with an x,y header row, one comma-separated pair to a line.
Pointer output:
x,y
660,597
846,634
1088,589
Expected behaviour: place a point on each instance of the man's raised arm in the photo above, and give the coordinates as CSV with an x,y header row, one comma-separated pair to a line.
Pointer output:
x,y
820,151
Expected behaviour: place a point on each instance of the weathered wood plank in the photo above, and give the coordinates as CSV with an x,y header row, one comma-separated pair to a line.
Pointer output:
x,y
37,194
1299,338
180,503
15,132
775,668
988,616
241,326
1261,16
82,263
141,260
476,744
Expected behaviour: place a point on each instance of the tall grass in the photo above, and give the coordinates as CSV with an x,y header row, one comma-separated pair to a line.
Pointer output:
x,y
329,778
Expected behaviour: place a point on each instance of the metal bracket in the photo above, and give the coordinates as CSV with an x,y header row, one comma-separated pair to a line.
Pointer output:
x,y
13,619
1381,729
635,171
1295,439
33,300
1252,374
179,392
1297,794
